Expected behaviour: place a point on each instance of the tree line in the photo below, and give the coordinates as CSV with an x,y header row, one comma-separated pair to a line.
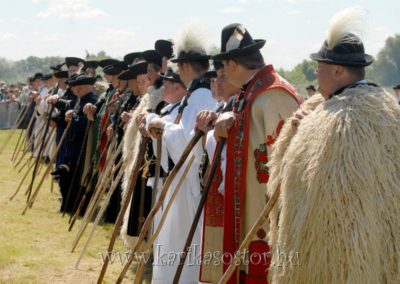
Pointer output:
x,y
384,71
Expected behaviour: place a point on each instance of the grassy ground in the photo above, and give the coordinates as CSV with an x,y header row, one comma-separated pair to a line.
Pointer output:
x,y
35,248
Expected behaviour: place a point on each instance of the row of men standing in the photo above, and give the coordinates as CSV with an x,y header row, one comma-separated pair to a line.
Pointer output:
x,y
168,95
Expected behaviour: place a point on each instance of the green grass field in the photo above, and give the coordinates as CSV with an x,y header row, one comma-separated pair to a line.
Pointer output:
x,y
35,248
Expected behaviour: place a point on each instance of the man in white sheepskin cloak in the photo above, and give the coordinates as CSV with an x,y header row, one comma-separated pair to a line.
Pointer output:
x,y
338,219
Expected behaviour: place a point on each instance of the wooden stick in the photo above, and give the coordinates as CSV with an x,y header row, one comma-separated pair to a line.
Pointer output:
x,y
41,149
131,187
88,186
49,168
96,162
17,145
262,218
94,201
13,129
21,182
100,213
202,202
147,224
149,243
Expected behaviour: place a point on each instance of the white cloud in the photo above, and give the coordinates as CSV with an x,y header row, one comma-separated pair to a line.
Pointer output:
x,y
232,10
71,9
8,36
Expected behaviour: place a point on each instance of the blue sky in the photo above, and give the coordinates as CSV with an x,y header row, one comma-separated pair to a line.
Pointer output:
x,y
293,28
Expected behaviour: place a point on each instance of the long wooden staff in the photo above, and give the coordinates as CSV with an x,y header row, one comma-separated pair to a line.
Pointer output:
x,y
17,145
262,218
151,240
18,121
77,167
26,144
88,185
23,116
41,149
49,167
199,211
31,157
147,224
101,212
98,154
131,187
96,198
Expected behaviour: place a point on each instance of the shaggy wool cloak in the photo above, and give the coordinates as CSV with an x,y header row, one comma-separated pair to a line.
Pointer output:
x,y
339,209
131,142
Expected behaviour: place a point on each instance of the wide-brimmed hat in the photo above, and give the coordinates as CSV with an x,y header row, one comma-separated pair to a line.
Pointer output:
x,y
130,57
237,41
152,56
396,87
137,68
61,74
311,87
91,64
170,75
107,62
73,61
82,80
46,77
349,51
164,48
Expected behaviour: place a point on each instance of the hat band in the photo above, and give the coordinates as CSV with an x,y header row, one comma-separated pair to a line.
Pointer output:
x,y
329,54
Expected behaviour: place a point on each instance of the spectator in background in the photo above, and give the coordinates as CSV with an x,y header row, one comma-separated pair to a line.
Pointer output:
x,y
397,92
310,91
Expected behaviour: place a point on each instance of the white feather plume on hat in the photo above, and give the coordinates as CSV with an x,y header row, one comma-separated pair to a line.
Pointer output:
x,y
191,38
351,20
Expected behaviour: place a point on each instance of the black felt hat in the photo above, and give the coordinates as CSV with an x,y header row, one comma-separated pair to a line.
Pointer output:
x,y
37,76
82,80
138,68
311,87
73,61
121,65
57,67
46,77
170,75
130,57
91,64
164,48
236,41
152,56
61,74
347,52
396,87
107,62
111,70
127,75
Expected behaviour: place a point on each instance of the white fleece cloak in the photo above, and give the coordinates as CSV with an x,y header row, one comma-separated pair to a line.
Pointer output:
x,y
131,142
339,209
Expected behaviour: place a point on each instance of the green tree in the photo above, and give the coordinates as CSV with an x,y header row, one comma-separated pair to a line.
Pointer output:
x,y
386,68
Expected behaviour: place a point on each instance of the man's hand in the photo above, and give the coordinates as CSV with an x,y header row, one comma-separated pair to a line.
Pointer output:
x,y
126,117
109,131
89,108
156,128
53,99
37,99
223,124
298,116
141,118
69,115
205,119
